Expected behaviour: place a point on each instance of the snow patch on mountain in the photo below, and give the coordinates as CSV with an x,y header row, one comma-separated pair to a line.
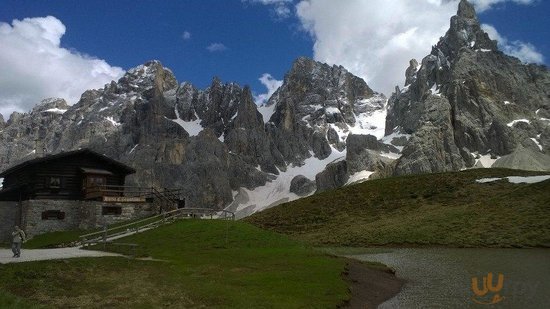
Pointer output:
x,y
537,142
517,179
266,111
192,127
112,121
485,161
373,123
278,190
511,124
55,111
390,155
359,177
389,139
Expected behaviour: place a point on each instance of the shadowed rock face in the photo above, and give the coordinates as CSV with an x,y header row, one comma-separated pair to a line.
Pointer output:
x,y
463,99
211,142
302,186
246,136
334,176
315,99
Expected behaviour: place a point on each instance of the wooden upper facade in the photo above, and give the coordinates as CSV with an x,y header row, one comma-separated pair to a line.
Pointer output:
x,y
63,176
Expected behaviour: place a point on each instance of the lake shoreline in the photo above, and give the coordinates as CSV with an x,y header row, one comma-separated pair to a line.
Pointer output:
x,y
432,272
435,246
370,286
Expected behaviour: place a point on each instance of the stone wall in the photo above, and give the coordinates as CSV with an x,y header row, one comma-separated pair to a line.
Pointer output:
x,y
9,217
43,216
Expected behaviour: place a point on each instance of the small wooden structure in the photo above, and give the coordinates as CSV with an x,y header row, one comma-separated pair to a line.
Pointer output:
x,y
74,175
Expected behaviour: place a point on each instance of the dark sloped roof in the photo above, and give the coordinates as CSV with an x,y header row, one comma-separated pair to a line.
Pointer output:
x,y
127,169
95,171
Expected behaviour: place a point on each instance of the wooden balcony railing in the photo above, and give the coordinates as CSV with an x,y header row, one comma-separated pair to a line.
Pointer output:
x,y
130,193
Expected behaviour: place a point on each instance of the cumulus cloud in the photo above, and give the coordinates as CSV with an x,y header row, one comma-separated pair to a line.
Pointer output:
x,y
216,47
34,66
186,35
482,5
375,39
281,8
271,84
525,52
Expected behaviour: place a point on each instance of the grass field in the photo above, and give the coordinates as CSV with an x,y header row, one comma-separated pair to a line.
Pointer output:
x,y
214,264
448,209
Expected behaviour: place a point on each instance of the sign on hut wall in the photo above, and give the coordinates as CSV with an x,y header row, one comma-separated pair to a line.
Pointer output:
x,y
123,199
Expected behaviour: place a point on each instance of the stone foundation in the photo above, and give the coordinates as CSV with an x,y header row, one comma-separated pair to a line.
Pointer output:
x,y
9,218
44,216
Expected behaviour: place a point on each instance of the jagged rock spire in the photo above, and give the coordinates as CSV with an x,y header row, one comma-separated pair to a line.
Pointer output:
x,y
465,31
466,10
464,102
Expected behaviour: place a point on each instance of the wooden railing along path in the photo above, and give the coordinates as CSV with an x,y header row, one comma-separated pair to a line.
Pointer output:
x,y
107,235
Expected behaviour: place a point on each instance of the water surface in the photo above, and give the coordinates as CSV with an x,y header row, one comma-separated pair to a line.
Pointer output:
x,y
442,278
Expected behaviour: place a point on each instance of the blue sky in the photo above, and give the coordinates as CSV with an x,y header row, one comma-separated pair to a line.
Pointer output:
x,y
127,33
247,38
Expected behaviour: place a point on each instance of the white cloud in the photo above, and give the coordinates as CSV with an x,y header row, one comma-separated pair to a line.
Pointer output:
x,y
186,35
34,66
281,8
525,52
271,84
375,39
216,47
482,5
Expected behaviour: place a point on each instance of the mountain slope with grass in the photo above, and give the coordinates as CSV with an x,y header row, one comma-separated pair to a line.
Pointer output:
x,y
449,209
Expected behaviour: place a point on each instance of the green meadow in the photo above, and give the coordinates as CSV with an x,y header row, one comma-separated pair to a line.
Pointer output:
x,y
190,263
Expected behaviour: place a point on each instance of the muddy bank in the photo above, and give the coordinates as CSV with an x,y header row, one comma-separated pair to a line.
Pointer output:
x,y
370,286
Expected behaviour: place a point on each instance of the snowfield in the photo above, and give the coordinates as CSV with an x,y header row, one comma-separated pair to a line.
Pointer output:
x,y
278,190
191,127
517,179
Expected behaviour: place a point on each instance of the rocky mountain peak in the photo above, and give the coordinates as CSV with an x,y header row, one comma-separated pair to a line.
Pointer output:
x,y
468,103
216,82
52,105
466,10
316,108
465,32
14,118
247,113
308,73
146,77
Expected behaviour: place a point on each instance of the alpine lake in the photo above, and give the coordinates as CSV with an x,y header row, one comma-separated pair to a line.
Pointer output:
x,y
454,277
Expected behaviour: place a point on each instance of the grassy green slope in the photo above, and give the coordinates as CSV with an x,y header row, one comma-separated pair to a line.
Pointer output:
x,y
9,301
213,264
433,209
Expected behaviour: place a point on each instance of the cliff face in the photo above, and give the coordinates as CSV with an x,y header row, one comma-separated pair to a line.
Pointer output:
x,y
213,143
467,102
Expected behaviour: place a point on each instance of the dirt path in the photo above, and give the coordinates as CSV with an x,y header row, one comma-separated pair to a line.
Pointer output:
x,y
27,255
370,287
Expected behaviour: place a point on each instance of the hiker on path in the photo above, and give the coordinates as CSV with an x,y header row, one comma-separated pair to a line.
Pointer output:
x,y
18,236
